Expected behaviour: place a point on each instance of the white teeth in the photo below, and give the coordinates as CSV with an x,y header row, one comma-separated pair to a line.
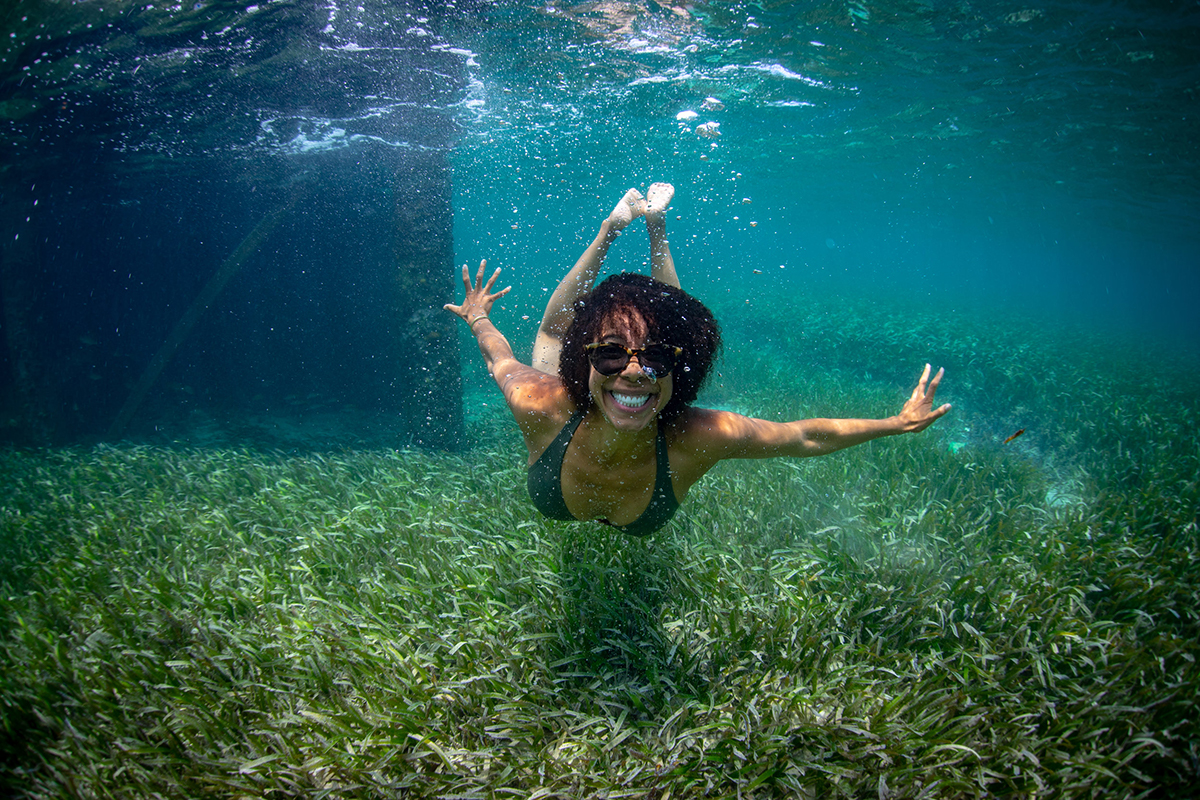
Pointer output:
x,y
631,400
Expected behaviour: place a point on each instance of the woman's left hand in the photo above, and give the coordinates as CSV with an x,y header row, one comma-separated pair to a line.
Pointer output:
x,y
918,412
479,297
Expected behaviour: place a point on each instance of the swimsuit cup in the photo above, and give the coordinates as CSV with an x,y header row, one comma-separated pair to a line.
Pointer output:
x,y
545,484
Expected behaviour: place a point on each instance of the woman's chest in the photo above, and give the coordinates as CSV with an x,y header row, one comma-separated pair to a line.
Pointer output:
x,y
617,493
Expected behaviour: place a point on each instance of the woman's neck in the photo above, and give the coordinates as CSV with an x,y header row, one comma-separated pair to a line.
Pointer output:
x,y
607,447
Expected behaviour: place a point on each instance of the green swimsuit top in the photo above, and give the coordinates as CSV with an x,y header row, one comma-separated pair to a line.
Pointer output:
x,y
545,484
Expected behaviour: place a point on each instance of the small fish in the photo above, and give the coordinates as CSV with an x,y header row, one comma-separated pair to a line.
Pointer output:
x,y
1015,435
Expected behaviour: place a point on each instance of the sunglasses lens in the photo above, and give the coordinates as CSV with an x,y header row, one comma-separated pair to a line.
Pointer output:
x,y
608,359
658,357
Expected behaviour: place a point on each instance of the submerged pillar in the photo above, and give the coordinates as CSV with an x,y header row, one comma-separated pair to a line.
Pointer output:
x,y
147,182
426,350
25,391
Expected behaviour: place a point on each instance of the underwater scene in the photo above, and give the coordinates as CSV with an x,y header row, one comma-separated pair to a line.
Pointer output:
x,y
264,522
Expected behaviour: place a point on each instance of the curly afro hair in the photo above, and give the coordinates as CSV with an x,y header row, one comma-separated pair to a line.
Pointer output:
x,y
672,316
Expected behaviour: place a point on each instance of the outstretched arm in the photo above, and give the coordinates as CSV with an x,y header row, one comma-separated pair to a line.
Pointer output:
x,y
816,437
710,436
560,310
662,265
532,395
474,310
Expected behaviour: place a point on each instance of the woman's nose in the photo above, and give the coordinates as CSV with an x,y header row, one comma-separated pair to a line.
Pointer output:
x,y
634,369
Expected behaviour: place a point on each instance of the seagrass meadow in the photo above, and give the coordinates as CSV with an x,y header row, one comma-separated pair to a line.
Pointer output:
x,y
939,615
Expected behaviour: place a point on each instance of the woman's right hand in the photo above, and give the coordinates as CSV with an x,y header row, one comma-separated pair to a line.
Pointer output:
x,y
479,297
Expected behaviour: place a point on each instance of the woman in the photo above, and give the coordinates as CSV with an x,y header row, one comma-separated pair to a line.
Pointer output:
x,y
605,408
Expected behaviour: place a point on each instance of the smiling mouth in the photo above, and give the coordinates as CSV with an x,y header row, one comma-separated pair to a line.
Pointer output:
x,y
630,401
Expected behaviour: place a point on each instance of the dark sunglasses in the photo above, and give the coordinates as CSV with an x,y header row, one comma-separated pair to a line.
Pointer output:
x,y
656,360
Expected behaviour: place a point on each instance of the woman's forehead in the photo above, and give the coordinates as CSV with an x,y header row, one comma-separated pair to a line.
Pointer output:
x,y
626,323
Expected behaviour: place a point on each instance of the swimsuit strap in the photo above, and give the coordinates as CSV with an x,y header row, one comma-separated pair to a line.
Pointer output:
x,y
663,504
545,475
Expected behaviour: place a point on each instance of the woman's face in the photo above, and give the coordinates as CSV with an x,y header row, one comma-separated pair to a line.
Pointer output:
x,y
629,400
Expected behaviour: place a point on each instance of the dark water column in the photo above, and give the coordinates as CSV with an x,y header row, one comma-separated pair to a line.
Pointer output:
x,y
24,392
426,350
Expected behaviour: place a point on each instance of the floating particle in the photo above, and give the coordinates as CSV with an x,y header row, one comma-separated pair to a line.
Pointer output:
x,y
1015,435
1026,15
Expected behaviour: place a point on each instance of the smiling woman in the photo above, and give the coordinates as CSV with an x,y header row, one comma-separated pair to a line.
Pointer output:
x,y
681,336
605,408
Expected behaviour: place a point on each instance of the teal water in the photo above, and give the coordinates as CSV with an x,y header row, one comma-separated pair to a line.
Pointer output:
x,y
967,157
1042,158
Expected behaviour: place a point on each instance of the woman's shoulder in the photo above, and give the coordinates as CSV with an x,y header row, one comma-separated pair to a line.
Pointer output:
x,y
713,434
538,393
697,439
702,430
541,407
703,423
